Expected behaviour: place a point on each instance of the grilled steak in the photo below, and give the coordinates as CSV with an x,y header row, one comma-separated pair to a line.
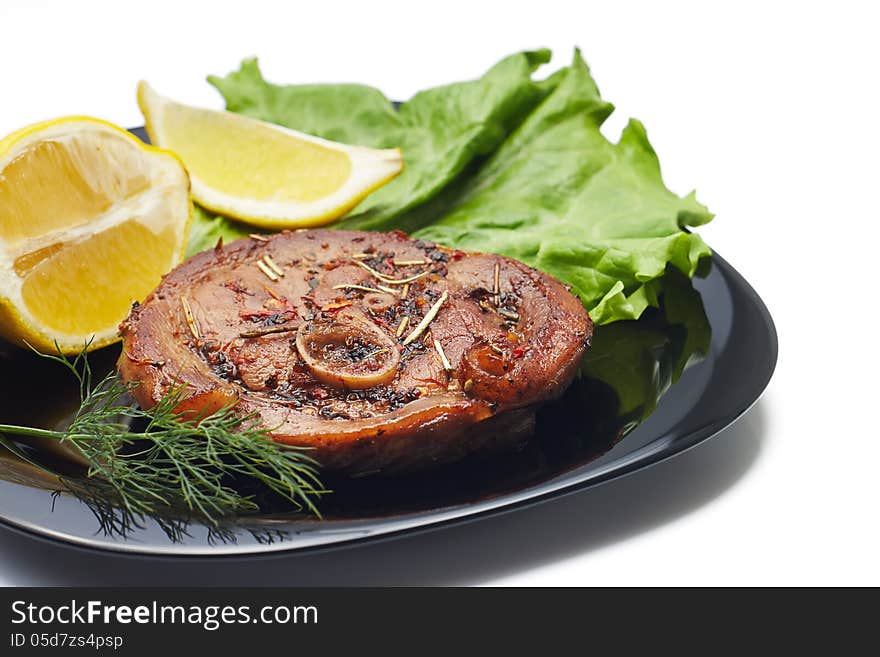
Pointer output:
x,y
380,352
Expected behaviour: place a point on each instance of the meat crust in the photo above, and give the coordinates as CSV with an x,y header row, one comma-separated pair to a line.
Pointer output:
x,y
330,355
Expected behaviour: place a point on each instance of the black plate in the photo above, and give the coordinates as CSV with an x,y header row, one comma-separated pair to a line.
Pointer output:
x,y
604,427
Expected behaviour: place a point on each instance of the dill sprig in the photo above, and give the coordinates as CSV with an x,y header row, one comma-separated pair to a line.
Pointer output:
x,y
162,464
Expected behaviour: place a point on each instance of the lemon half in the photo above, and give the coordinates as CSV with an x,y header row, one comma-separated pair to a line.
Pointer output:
x,y
90,220
261,173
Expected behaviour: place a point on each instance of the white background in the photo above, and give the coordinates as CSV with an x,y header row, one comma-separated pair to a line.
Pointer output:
x,y
769,110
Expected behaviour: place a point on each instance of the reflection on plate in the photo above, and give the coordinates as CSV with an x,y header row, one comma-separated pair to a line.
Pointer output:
x,y
647,389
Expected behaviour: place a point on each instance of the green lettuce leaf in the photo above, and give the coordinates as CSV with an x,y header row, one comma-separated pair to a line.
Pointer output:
x,y
208,228
624,374
640,360
506,164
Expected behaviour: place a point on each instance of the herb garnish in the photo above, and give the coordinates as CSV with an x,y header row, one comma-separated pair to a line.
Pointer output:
x,y
165,463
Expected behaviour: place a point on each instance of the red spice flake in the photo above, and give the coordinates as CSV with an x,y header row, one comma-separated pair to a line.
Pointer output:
x,y
319,393
518,352
237,287
325,245
254,314
457,255
331,307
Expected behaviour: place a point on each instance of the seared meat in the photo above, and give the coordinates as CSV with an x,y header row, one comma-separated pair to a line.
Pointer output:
x,y
381,352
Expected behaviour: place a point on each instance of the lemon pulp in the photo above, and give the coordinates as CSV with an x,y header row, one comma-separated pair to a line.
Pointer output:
x,y
66,182
53,290
90,220
299,170
261,173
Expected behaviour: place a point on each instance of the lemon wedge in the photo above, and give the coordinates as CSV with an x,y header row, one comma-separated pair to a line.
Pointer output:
x,y
261,173
90,220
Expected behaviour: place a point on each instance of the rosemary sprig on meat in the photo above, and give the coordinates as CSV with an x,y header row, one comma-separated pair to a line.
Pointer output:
x,y
388,279
190,319
427,319
163,462
268,271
